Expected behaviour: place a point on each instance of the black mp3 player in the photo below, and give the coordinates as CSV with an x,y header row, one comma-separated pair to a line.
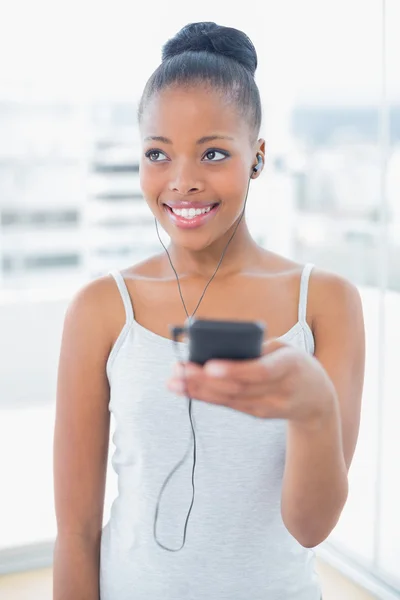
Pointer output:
x,y
231,340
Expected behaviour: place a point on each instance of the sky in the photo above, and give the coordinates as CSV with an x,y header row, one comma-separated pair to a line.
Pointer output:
x,y
310,51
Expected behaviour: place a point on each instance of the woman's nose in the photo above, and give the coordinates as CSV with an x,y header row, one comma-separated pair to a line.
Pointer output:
x,y
185,181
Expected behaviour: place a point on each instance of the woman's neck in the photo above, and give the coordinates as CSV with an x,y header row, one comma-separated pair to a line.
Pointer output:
x,y
241,252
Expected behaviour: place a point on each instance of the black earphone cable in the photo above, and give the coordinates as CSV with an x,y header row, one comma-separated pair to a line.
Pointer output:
x,y
190,400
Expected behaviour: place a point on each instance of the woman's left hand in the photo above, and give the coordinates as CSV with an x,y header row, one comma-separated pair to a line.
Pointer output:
x,y
284,383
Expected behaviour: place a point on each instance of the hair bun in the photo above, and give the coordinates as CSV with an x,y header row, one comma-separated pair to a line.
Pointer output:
x,y
210,37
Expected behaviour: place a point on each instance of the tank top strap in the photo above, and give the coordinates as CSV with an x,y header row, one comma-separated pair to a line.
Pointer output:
x,y
305,278
123,290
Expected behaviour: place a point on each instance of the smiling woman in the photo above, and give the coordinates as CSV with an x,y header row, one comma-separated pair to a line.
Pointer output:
x,y
276,434
187,170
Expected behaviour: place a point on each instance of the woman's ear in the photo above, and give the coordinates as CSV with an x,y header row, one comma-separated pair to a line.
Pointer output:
x,y
261,148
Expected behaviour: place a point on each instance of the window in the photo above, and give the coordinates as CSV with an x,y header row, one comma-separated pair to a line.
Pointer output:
x,y
54,260
118,197
124,168
43,217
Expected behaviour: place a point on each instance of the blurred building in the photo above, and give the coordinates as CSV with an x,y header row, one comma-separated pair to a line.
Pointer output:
x,y
119,226
70,199
43,180
339,191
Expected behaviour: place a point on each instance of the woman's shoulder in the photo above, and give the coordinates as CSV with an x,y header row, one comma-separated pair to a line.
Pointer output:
x,y
328,295
94,297
333,299
98,306
323,284
100,294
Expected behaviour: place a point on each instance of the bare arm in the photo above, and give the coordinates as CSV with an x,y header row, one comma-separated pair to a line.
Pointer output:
x,y
81,445
320,397
319,453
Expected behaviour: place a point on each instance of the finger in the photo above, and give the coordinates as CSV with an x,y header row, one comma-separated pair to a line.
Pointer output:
x,y
242,389
187,369
255,406
250,370
196,376
272,345
261,406
246,371
225,386
282,364
199,390
215,385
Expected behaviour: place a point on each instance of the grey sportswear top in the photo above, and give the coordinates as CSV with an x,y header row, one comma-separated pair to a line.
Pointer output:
x,y
237,546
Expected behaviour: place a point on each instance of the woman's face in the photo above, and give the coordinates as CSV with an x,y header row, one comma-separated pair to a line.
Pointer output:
x,y
196,163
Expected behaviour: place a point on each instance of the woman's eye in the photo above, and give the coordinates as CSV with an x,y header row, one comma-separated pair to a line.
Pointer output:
x,y
155,155
215,155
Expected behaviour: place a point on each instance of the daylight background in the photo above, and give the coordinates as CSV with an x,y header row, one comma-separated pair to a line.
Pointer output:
x,y
71,74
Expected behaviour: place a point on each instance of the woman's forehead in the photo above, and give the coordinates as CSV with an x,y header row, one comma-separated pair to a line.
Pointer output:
x,y
194,112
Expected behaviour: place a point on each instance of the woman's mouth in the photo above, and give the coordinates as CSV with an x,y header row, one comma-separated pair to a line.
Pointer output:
x,y
189,217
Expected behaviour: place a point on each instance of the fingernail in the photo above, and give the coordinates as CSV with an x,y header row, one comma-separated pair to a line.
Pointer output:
x,y
215,369
179,370
176,385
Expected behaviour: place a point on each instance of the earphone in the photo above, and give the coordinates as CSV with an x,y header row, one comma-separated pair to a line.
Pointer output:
x,y
255,170
259,165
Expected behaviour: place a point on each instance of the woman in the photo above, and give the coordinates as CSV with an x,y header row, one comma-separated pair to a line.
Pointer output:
x,y
275,436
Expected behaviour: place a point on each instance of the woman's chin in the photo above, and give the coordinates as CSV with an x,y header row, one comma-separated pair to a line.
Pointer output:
x,y
192,243
192,239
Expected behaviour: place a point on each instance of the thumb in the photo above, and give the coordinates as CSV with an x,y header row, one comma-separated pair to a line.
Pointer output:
x,y
272,345
277,358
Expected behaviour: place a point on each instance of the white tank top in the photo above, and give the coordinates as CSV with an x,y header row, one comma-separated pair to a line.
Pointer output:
x,y
237,546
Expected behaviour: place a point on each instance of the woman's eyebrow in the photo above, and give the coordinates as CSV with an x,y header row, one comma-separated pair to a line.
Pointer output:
x,y
158,138
204,140
211,138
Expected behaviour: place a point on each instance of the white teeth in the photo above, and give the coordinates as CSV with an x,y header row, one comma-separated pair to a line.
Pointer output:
x,y
189,213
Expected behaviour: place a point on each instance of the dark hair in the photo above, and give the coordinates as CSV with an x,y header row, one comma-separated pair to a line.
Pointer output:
x,y
222,57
